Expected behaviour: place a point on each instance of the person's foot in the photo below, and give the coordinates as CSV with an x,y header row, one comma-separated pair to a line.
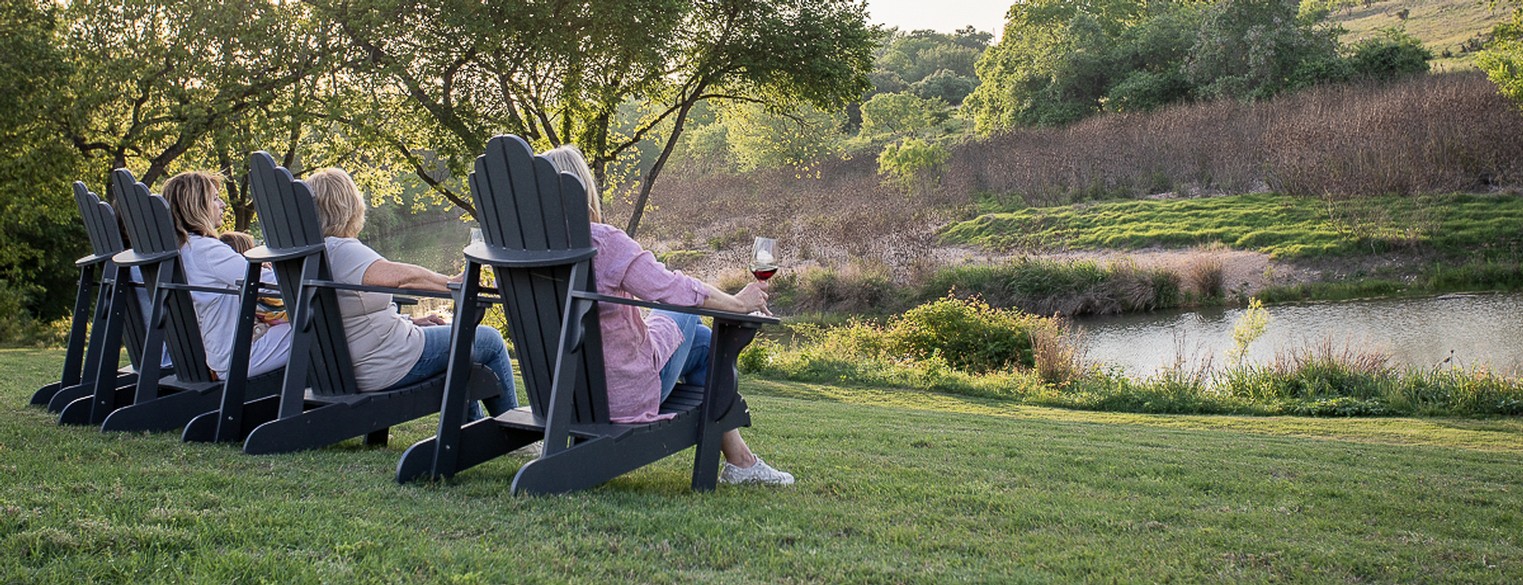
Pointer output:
x,y
533,450
759,472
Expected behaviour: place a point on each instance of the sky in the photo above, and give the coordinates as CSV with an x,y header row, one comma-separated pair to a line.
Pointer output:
x,y
940,15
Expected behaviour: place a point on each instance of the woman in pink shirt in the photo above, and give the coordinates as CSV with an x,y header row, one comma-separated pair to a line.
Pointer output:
x,y
649,353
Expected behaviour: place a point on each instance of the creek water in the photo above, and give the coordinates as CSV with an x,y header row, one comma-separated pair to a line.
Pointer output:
x,y
1466,329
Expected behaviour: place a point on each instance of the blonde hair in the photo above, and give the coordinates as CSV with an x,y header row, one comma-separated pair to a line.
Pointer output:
x,y
192,201
240,242
567,158
340,208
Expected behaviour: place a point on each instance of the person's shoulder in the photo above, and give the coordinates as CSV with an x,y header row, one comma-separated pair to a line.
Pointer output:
x,y
603,230
349,248
199,244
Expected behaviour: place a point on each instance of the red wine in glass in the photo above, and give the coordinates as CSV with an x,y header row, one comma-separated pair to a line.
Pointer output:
x,y
764,258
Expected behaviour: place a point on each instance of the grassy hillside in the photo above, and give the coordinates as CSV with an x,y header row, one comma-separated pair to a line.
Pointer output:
x,y
1442,25
894,487
1282,226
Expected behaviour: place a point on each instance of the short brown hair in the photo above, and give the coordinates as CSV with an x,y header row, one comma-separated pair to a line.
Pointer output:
x,y
191,197
340,208
239,241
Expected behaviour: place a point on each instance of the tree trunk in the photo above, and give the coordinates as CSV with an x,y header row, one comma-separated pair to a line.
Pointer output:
x,y
650,178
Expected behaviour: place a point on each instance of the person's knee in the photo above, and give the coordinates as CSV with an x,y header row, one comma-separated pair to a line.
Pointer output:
x,y
702,336
488,344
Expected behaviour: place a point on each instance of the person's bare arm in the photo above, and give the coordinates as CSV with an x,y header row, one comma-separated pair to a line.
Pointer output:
x,y
386,273
750,299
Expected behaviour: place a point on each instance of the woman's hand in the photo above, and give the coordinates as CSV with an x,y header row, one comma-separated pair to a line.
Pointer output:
x,y
428,320
754,298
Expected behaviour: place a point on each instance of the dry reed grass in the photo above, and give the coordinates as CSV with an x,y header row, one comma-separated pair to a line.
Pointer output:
x,y
1436,133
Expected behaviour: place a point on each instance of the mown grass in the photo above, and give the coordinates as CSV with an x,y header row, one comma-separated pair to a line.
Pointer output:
x,y
894,487
1282,226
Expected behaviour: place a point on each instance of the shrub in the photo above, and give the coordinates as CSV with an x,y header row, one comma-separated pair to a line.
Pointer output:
x,y
857,288
1391,54
912,163
968,334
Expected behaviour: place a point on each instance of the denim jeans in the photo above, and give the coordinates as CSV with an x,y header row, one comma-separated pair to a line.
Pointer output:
x,y
691,360
488,350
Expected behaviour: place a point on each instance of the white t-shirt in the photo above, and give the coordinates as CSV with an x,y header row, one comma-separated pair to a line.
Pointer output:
x,y
209,262
384,344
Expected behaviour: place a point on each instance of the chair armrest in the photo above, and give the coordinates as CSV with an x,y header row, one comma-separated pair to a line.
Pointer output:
x,y
740,318
414,292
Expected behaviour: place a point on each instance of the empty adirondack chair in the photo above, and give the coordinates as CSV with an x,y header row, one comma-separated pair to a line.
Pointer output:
x,y
83,358
160,402
319,403
538,243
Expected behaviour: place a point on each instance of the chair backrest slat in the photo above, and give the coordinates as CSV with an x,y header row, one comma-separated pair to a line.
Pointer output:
x,y
106,240
151,227
288,216
525,205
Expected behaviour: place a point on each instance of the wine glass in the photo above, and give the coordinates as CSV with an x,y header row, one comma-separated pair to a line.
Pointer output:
x,y
764,258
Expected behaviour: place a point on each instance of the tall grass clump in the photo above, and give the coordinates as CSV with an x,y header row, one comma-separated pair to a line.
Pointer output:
x,y
856,288
1058,287
955,345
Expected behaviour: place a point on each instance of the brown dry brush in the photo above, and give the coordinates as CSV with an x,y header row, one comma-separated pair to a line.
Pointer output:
x,y
1434,133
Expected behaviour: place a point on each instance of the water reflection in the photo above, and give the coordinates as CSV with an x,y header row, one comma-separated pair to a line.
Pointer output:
x,y
1480,329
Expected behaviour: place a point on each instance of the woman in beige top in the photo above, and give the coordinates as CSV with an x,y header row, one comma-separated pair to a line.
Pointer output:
x,y
390,349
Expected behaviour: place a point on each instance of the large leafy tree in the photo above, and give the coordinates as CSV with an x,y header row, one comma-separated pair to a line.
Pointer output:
x,y
443,77
151,80
39,233
1061,60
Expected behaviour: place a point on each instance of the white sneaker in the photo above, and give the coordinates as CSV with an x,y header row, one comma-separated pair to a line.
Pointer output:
x,y
758,473
533,450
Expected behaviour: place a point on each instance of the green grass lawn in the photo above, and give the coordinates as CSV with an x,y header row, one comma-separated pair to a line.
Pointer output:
x,y
1274,224
894,487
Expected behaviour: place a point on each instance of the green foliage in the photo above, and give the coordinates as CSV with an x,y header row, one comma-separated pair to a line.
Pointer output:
x,y
1062,60
944,85
912,162
914,56
902,114
968,333
1248,328
1389,55
1258,48
759,138
1502,60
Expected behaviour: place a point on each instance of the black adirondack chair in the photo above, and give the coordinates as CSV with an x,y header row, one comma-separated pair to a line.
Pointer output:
x,y
538,243
160,402
83,358
319,403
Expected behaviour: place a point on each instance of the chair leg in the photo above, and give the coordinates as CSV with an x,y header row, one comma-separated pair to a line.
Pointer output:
x,y
378,438
706,459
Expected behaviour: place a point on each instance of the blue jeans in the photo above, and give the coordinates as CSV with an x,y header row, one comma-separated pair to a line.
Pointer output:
x,y
487,350
691,360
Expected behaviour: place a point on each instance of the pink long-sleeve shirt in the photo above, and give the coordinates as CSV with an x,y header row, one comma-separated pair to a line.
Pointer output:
x,y
636,346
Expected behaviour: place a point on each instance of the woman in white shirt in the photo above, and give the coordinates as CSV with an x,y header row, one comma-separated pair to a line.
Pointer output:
x,y
195,202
